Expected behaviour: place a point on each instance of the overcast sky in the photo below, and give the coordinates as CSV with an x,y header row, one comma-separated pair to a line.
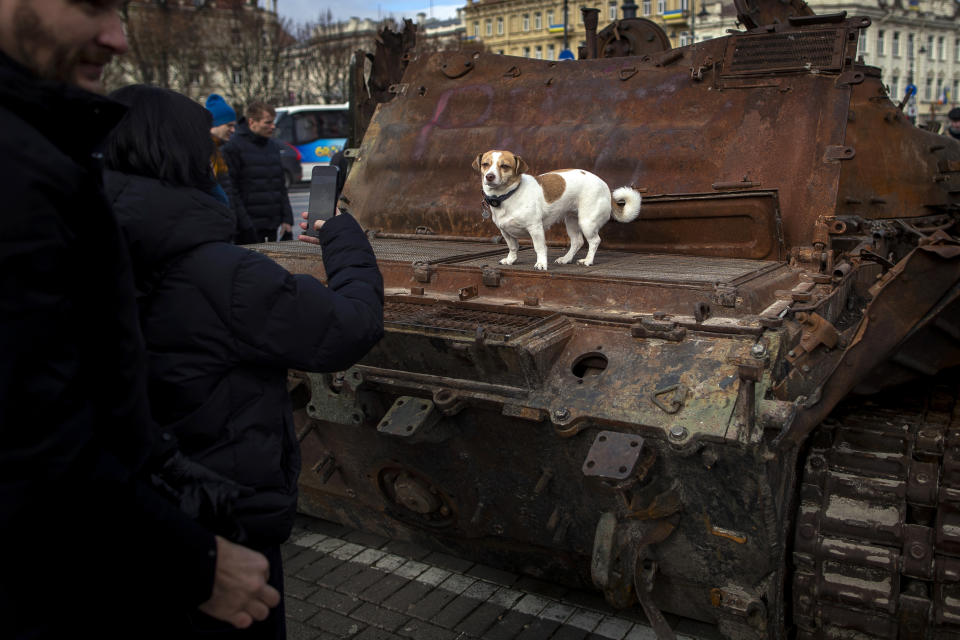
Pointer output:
x,y
310,10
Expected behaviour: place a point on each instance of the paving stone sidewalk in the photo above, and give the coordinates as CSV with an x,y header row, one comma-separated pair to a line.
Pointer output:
x,y
343,583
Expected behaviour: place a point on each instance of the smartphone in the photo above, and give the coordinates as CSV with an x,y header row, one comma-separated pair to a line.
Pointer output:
x,y
323,196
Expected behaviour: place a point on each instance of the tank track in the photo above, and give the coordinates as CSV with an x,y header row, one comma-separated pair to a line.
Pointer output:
x,y
877,540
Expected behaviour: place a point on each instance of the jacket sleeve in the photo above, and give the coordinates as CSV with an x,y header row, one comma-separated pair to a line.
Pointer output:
x,y
234,160
245,233
288,320
285,199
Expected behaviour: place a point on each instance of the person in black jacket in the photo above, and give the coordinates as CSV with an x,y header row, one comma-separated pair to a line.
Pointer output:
x,y
90,547
223,323
253,158
223,127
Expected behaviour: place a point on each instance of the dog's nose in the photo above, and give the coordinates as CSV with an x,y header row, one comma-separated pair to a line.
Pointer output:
x,y
490,177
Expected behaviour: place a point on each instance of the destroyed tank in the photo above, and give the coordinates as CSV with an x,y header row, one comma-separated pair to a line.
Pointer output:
x,y
681,425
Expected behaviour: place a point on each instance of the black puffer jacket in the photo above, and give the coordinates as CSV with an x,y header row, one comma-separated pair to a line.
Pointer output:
x,y
223,324
257,175
75,430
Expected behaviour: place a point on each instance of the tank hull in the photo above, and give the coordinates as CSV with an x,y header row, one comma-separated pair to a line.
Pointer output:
x,y
644,425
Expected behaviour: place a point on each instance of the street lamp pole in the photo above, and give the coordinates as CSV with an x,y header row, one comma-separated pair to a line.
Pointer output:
x,y
565,44
693,22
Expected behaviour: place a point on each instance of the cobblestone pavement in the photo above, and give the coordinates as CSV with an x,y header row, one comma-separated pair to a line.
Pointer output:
x,y
343,583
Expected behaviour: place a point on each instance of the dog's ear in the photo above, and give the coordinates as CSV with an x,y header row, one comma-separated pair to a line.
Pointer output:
x,y
476,162
521,165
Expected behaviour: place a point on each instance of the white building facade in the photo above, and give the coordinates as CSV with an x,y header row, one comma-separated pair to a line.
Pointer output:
x,y
913,42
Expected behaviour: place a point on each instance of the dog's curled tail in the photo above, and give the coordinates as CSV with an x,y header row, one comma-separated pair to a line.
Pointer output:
x,y
626,204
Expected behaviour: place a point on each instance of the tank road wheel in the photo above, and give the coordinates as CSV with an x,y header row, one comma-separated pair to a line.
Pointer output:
x,y
877,541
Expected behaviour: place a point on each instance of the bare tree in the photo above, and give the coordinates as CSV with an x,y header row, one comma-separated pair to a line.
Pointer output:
x,y
323,57
165,45
249,53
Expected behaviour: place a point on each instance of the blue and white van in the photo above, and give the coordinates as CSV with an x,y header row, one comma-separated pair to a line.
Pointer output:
x,y
317,131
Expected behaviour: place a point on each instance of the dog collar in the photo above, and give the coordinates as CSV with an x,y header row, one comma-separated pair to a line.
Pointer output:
x,y
494,201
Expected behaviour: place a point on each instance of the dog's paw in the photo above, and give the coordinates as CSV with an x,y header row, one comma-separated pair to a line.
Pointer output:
x,y
540,266
563,260
585,262
508,260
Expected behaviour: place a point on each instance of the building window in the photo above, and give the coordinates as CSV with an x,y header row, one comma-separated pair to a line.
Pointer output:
x,y
941,48
930,52
538,52
499,26
646,9
684,5
551,52
910,48
476,29
862,43
895,45
550,21
526,52
684,38
895,88
956,50
236,75
194,74
537,22
613,11
880,35
661,7
580,14
489,27
526,22
928,90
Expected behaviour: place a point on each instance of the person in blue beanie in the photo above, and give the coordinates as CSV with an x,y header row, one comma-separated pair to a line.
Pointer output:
x,y
223,125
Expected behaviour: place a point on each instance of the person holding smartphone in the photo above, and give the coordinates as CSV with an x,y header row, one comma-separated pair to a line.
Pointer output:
x,y
223,324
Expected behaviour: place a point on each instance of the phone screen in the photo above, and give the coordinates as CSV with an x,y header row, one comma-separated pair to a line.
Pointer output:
x,y
323,196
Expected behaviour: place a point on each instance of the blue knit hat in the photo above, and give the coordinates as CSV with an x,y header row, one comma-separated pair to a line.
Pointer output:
x,y
222,112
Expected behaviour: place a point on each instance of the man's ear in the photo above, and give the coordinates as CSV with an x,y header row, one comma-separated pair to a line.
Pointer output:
x,y
521,165
476,162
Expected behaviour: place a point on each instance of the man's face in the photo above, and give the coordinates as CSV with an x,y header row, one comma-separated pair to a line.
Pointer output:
x,y
64,40
224,131
955,125
262,125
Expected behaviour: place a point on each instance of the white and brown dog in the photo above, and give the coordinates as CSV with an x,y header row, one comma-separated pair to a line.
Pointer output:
x,y
523,205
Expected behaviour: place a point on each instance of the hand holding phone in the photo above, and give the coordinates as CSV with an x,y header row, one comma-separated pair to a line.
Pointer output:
x,y
323,196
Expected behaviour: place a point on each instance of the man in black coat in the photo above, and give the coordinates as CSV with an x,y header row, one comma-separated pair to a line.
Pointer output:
x,y
253,158
80,522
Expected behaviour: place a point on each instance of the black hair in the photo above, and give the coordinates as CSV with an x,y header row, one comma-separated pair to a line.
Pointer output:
x,y
164,135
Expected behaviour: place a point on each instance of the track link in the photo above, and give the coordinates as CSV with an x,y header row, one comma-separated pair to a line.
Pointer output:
x,y
877,541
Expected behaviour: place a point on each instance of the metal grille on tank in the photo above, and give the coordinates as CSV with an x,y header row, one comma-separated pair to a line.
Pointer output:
x,y
497,325
786,51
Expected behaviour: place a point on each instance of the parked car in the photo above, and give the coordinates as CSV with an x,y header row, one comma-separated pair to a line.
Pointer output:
x,y
290,159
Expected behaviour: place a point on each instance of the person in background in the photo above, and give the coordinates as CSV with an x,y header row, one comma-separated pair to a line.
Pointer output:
x,y
91,547
253,158
953,127
223,323
222,129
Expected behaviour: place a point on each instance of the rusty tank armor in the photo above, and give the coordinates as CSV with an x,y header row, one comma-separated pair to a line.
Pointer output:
x,y
679,425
